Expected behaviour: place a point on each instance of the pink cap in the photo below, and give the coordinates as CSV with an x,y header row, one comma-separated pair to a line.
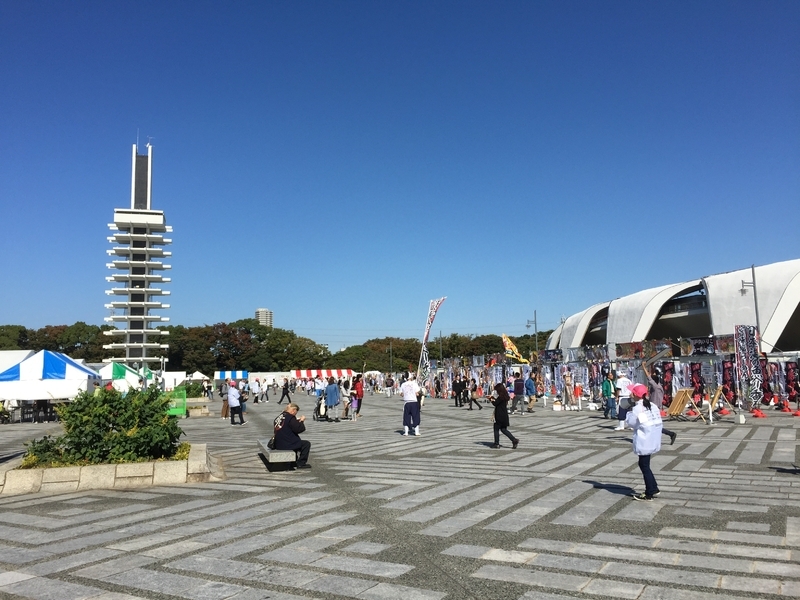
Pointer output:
x,y
638,390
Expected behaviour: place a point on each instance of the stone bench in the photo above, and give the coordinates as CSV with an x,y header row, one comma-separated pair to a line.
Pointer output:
x,y
285,458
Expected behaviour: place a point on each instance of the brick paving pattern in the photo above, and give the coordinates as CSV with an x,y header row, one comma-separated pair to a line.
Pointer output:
x,y
381,516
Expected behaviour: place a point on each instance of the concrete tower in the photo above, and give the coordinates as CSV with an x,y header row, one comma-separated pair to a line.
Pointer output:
x,y
138,249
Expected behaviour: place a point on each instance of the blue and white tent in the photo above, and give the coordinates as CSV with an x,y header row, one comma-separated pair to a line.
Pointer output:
x,y
235,375
45,376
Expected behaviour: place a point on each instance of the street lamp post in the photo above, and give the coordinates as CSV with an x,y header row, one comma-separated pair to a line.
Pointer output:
x,y
752,284
535,331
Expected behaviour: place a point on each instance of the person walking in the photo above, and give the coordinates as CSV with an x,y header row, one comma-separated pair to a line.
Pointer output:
x,y
208,390
623,394
235,404
609,401
500,398
519,393
530,391
223,392
284,391
332,400
256,389
457,388
243,396
645,420
411,392
358,387
473,395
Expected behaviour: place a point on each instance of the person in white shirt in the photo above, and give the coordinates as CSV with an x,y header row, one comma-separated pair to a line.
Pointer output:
x,y
645,420
234,403
411,392
623,394
256,389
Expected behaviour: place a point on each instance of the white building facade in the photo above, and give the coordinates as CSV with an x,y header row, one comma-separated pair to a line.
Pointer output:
x,y
264,317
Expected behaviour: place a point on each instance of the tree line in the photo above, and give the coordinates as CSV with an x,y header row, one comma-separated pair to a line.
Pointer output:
x,y
246,345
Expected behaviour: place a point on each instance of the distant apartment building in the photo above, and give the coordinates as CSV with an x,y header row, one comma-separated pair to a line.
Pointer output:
x,y
264,316
138,249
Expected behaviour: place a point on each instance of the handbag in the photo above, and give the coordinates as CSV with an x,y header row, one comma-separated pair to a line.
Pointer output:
x,y
271,443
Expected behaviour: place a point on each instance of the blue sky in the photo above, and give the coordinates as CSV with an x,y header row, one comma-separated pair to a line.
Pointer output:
x,y
342,163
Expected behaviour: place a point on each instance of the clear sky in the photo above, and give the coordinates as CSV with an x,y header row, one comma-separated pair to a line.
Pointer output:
x,y
342,163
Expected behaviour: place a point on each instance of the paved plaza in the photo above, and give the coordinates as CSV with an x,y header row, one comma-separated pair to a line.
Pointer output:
x,y
381,516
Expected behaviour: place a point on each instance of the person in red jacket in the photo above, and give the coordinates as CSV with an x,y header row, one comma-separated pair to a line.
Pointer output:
x,y
358,386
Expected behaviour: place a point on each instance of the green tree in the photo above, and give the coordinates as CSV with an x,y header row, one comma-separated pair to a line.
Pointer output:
x,y
79,340
13,337
46,338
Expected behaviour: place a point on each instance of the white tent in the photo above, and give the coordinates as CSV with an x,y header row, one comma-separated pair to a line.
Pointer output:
x,y
9,358
198,376
121,375
45,376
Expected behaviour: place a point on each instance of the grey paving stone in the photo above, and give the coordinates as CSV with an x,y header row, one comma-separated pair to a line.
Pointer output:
x,y
114,566
41,588
284,576
212,590
532,577
663,575
154,581
366,548
351,564
220,567
342,586
388,591
652,592
293,556
8,577
69,562
747,526
614,589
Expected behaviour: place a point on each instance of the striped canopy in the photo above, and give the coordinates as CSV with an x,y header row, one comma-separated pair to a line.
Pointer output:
x,y
309,373
47,365
236,375
45,375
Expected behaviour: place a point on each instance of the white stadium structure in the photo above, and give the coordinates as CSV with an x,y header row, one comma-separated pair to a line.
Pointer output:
x,y
702,307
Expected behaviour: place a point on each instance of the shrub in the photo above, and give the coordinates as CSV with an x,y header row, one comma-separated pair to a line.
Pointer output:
x,y
109,428
194,389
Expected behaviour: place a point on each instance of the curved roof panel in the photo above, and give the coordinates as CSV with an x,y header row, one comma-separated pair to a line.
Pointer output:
x,y
575,327
553,341
774,286
625,314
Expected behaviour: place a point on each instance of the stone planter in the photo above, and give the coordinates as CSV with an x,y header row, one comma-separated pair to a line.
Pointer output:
x,y
197,468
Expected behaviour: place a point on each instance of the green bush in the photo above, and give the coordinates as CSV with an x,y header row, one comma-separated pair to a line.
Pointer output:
x,y
109,428
194,389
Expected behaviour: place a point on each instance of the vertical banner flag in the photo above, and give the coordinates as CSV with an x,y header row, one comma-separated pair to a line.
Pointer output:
x,y
424,368
747,362
511,350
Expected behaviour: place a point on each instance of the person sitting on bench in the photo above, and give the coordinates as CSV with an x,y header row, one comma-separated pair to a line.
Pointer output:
x,y
287,427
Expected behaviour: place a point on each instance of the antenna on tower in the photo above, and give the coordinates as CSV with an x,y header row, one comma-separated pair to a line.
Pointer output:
x,y
149,139
137,140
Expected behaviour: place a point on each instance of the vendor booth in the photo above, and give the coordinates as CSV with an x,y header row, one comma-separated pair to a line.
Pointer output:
x,y
43,378
122,376
324,373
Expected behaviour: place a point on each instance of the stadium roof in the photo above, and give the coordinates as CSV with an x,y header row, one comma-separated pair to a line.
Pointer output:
x,y
711,305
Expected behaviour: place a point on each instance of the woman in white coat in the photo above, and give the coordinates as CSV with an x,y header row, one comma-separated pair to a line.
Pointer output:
x,y
645,420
